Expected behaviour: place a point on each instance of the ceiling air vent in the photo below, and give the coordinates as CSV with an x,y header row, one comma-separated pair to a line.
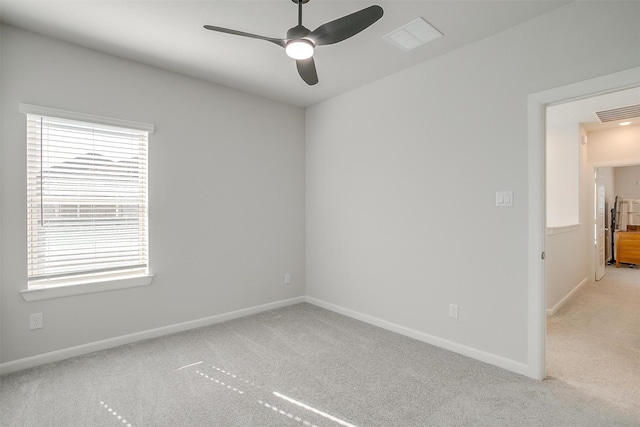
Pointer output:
x,y
616,114
414,34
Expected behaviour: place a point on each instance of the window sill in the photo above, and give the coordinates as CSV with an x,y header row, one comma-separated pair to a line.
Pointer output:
x,y
87,287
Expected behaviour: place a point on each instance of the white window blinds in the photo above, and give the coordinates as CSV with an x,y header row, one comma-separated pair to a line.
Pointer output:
x,y
86,199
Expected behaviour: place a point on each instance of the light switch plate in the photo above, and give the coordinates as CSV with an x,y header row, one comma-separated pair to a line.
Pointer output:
x,y
504,198
453,311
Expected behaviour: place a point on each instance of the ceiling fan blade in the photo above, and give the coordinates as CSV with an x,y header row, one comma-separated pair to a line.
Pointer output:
x,y
307,70
279,42
345,27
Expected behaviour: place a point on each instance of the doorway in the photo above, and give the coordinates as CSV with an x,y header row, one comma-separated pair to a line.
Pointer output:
x,y
537,104
591,339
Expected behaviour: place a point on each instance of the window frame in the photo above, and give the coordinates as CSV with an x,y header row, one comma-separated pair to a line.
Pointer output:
x,y
89,283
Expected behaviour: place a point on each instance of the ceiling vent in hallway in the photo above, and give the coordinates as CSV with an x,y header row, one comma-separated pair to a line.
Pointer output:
x,y
412,35
616,114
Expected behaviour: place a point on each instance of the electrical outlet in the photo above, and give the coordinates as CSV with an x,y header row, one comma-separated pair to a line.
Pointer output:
x,y
453,311
35,321
287,279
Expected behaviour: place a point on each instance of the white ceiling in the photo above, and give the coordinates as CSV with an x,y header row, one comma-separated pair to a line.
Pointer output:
x,y
169,34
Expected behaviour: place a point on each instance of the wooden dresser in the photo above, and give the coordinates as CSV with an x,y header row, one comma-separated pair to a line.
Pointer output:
x,y
627,247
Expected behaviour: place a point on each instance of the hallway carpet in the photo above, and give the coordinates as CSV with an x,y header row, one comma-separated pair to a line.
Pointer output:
x,y
593,341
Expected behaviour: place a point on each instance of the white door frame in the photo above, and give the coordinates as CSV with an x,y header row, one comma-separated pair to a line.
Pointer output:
x,y
599,262
537,104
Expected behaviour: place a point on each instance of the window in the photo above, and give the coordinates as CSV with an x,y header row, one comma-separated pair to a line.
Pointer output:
x,y
87,210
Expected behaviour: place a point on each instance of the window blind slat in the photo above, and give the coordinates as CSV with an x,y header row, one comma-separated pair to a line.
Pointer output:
x,y
86,198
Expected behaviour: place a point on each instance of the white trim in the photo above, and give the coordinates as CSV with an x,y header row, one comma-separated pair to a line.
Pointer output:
x,y
536,322
72,115
483,356
55,356
553,310
552,231
537,103
86,287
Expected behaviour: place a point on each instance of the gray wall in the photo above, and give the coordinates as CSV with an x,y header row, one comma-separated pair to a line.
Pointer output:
x,y
226,194
401,178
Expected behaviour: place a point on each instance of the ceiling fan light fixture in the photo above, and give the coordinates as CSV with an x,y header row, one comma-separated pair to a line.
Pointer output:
x,y
299,49
300,42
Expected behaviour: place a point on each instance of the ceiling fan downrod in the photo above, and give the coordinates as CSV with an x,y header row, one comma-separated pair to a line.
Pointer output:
x,y
299,31
300,3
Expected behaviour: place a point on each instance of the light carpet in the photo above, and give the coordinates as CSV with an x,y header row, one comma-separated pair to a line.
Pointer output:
x,y
295,366
593,341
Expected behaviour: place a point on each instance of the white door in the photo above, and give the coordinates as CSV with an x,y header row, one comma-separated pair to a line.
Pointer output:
x,y
599,227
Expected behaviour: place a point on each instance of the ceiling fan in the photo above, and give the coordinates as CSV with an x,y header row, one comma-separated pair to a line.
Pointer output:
x,y
300,41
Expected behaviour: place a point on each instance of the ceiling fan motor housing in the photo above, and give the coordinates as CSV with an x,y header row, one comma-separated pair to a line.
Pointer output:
x,y
298,32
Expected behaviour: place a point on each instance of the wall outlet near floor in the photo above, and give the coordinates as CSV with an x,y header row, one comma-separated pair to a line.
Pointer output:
x,y
453,310
35,321
287,279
